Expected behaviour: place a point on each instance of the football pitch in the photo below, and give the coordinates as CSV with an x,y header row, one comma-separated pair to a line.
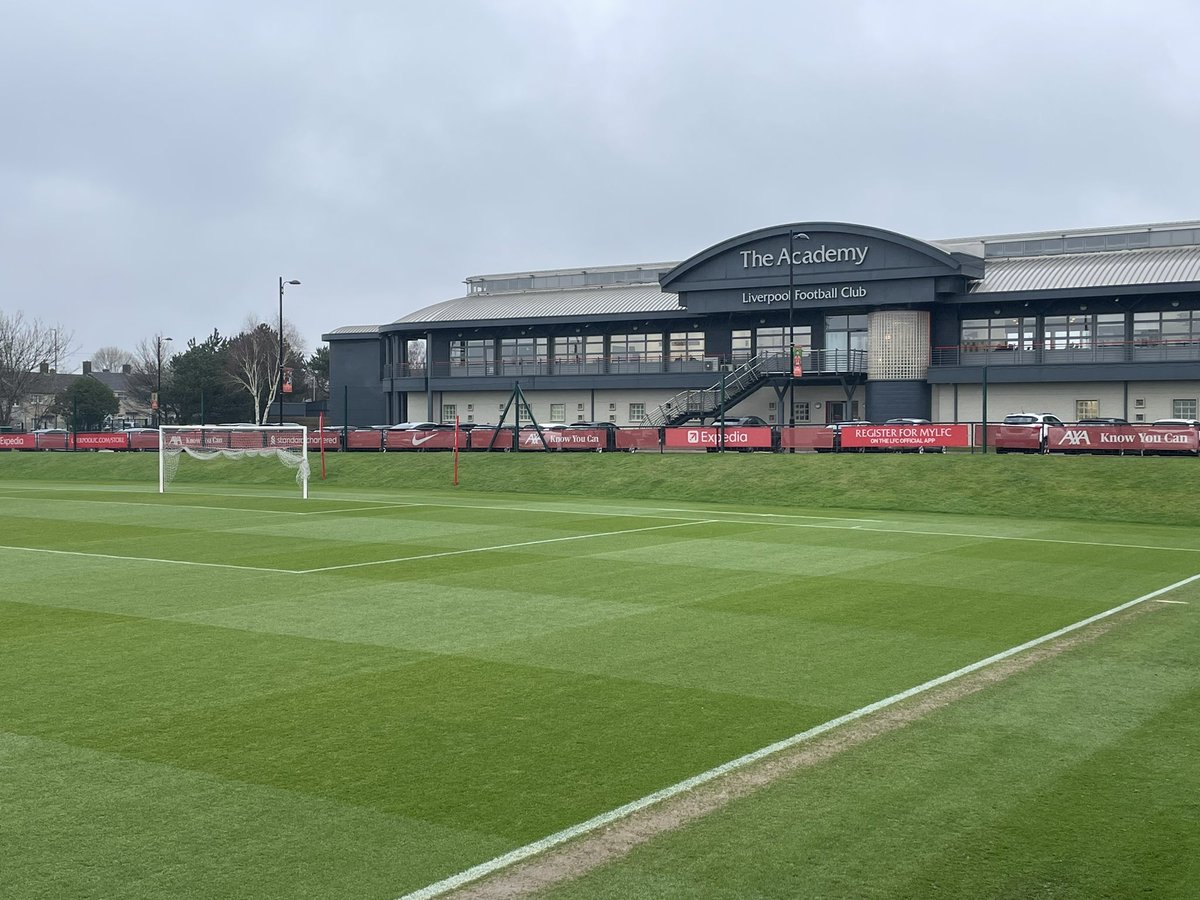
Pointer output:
x,y
230,692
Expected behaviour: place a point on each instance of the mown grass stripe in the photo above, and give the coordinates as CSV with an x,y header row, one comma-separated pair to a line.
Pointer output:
x,y
558,540
482,870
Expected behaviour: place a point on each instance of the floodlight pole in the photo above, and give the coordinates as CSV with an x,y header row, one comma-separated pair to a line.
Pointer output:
x,y
791,330
279,376
158,355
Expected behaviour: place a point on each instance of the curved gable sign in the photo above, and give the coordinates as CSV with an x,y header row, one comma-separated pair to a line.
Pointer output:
x,y
820,261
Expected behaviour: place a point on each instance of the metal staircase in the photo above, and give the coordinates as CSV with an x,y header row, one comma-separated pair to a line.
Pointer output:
x,y
694,404
848,366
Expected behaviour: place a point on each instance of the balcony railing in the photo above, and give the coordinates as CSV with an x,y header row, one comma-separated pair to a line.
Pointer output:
x,y
814,362
1079,353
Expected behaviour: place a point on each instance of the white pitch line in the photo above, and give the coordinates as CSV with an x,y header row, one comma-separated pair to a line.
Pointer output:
x,y
558,540
150,559
1007,537
820,527
1180,602
568,834
335,512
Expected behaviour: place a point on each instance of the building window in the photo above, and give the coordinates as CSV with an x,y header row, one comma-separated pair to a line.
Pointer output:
x,y
1082,332
558,412
635,353
687,345
845,340
1183,409
1172,326
473,357
998,334
741,345
637,412
1087,409
525,355
579,348
800,411
777,340
633,347
449,411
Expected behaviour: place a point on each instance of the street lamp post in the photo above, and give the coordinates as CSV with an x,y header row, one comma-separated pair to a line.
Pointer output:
x,y
159,340
279,380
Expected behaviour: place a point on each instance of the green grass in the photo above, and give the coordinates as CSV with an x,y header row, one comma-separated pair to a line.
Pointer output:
x,y
228,692
1119,489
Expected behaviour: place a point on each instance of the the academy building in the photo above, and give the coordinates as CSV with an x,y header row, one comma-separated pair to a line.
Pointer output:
x,y
812,322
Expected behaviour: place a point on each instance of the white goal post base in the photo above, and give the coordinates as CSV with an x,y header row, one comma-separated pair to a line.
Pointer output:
x,y
286,443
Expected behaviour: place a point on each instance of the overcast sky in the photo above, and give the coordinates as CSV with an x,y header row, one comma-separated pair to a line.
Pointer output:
x,y
163,163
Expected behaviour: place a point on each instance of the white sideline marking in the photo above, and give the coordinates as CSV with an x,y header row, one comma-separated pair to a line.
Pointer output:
x,y
153,559
1180,602
558,540
567,834
334,512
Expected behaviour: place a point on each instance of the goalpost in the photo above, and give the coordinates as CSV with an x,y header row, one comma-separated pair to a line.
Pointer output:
x,y
288,444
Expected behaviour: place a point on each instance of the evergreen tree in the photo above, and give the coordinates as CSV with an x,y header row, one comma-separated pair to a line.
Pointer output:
x,y
86,404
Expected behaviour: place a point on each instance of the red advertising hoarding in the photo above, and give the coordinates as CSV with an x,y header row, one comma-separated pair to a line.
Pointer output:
x,y
576,439
705,437
1122,438
330,439
101,440
54,441
365,439
887,437
425,440
203,440
18,442
143,440
637,439
811,437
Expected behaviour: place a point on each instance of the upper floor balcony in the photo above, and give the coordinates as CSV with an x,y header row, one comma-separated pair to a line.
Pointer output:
x,y
813,362
1066,353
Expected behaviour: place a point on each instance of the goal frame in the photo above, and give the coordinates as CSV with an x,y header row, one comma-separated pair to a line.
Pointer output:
x,y
216,448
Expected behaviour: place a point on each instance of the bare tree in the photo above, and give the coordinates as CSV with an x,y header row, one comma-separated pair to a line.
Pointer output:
x,y
24,347
415,356
255,363
150,360
111,359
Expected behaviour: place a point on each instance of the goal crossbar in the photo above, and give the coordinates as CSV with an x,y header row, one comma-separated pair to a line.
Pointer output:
x,y
286,443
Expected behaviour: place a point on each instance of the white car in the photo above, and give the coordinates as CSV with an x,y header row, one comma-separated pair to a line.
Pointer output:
x,y
1032,419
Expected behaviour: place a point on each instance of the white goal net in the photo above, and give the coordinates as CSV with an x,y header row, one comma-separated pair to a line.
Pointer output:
x,y
286,444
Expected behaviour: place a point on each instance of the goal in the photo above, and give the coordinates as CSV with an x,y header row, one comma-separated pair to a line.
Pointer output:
x,y
287,444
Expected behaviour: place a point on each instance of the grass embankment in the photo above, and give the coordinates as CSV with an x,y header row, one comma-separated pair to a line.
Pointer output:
x,y
1164,490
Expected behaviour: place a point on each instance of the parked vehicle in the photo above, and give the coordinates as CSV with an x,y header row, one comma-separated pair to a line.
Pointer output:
x,y
1103,420
740,422
1024,432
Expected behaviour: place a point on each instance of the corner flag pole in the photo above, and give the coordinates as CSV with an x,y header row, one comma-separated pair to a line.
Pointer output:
x,y
321,440
456,451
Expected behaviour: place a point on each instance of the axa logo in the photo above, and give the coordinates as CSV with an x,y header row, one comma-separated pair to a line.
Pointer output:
x,y
1076,438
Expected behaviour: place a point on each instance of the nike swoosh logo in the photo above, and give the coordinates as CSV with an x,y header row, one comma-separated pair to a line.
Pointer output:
x,y
418,441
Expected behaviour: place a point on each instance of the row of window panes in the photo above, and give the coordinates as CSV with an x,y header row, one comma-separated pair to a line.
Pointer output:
x,y
1072,332
1180,409
689,345
1095,242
